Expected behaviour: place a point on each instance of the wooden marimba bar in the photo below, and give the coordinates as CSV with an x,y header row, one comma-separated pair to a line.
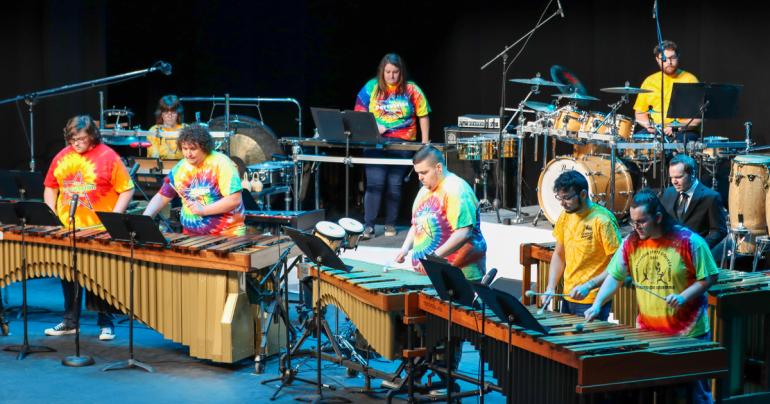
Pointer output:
x,y
192,292
567,366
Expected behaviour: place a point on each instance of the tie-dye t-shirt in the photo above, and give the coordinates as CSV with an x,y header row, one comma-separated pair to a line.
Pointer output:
x,y
666,265
162,147
214,179
437,214
97,176
398,113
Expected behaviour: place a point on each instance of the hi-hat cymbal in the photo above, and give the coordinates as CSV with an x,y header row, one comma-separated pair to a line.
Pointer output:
x,y
625,90
540,106
576,96
535,81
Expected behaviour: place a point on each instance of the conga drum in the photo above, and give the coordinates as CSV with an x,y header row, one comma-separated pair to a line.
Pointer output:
x,y
748,193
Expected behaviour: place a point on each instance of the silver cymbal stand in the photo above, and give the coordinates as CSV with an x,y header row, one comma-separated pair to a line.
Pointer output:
x,y
610,201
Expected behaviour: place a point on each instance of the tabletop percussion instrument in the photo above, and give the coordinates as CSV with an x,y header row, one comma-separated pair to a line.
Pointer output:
x,y
191,291
596,169
353,231
270,174
330,233
574,362
748,179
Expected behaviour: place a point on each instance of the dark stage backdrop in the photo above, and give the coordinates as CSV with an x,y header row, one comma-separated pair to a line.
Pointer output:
x,y
321,53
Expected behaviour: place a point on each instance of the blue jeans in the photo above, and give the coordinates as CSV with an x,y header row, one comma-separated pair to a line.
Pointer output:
x,y
579,309
385,179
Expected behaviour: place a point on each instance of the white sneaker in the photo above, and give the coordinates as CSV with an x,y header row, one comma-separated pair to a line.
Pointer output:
x,y
60,329
106,334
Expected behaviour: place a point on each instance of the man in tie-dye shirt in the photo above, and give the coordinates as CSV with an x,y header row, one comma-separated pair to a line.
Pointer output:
x,y
90,169
445,218
208,184
671,267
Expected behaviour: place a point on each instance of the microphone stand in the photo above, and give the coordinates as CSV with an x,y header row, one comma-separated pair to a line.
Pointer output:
x,y
31,98
76,360
505,66
662,152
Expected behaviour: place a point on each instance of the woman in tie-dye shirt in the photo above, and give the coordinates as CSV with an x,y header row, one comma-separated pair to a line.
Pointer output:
x,y
208,184
398,105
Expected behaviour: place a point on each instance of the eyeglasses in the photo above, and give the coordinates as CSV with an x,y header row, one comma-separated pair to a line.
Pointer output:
x,y
565,198
637,224
81,139
169,111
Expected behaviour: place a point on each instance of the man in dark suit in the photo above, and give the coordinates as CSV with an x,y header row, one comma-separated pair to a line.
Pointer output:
x,y
692,203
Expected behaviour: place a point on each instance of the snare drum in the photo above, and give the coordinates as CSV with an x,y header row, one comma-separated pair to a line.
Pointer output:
x,y
330,233
713,153
567,121
641,155
353,229
272,173
596,170
748,192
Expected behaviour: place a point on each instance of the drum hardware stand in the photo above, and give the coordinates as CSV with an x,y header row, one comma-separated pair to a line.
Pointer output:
x,y
76,360
613,145
545,132
21,212
737,236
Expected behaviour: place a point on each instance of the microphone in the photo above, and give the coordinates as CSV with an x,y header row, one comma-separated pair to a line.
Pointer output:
x,y
561,10
164,67
133,170
73,206
489,277
654,9
408,175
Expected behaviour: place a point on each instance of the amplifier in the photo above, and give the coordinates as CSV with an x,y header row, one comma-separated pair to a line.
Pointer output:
x,y
478,121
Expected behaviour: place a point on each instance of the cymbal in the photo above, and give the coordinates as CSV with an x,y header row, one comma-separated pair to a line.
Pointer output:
x,y
625,90
540,106
535,81
236,122
576,96
118,112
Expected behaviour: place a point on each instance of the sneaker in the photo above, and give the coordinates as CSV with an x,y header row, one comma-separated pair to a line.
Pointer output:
x,y
368,233
60,329
390,231
106,334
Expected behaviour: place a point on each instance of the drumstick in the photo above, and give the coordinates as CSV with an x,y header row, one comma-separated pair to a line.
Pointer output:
x,y
648,290
531,293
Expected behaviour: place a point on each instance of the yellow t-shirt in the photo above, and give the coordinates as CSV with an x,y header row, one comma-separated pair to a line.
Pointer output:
x,y
652,82
590,238
161,147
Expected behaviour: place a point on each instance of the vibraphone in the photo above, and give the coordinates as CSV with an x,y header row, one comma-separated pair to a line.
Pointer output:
x,y
624,306
567,366
192,292
373,300
739,309
738,313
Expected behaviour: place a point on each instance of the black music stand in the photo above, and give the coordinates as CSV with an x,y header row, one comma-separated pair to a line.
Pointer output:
x,y
8,187
136,230
512,311
451,285
362,126
36,214
321,255
704,101
30,184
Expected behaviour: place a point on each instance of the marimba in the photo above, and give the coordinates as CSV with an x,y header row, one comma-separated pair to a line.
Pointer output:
x,y
567,366
192,292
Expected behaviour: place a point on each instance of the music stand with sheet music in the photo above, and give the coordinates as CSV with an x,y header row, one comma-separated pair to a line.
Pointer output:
x,y
136,230
27,213
329,124
321,255
362,127
451,285
512,311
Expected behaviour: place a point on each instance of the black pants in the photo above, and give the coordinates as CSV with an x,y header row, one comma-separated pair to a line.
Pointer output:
x,y
72,308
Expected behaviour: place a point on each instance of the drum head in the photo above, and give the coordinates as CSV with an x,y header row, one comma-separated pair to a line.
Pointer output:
x,y
713,139
330,230
752,159
351,225
545,195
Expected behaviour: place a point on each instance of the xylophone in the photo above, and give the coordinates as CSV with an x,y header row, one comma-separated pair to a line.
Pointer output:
x,y
192,292
739,304
567,366
739,307
373,300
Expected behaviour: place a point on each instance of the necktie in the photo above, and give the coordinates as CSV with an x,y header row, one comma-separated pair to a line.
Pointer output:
x,y
683,197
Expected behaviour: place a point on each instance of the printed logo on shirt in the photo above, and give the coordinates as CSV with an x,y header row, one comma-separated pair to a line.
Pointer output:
x,y
196,190
76,185
656,272
588,232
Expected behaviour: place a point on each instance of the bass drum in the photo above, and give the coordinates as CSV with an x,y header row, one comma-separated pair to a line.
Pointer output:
x,y
596,170
253,143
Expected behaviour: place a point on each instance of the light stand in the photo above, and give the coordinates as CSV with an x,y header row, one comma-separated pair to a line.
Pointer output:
x,y
76,360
